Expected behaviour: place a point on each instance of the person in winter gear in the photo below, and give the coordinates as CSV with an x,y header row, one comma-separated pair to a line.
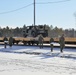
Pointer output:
x,y
5,41
51,44
62,43
40,41
10,41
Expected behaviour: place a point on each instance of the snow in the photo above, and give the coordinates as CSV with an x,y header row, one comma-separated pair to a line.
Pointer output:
x,y
31,60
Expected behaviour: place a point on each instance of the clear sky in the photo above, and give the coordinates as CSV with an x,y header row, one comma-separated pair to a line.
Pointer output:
x,y
57,14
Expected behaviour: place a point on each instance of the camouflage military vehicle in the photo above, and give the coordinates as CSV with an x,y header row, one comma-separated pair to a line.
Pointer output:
x,y
34,31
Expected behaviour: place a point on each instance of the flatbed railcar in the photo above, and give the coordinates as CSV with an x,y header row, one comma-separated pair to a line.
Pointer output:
x,y
32,41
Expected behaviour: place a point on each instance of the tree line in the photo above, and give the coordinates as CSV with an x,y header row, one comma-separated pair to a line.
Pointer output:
x,y
52,31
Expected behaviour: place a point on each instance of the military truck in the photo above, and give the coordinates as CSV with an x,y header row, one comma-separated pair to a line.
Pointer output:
x,y
34,31
31,33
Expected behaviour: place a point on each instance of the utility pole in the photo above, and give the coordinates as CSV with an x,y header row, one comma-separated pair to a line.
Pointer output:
x,y
34,12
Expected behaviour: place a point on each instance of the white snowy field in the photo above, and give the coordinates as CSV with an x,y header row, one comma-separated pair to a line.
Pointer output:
x,y
30,60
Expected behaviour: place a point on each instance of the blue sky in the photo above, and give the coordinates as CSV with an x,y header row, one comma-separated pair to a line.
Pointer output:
x,y
56,14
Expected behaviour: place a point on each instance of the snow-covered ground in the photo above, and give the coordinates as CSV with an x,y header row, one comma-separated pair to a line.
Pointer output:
x,y
30,60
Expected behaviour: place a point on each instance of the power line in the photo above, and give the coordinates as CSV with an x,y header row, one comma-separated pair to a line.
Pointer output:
x,y
32,4
52,2
16,9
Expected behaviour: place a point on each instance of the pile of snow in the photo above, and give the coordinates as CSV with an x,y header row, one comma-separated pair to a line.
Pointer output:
x,y
31,60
